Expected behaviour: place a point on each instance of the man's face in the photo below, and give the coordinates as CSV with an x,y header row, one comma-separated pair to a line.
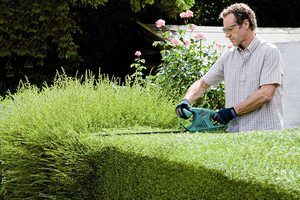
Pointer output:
x,y
234,32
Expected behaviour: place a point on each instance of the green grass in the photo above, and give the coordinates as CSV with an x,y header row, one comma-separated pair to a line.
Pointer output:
x,y
52,148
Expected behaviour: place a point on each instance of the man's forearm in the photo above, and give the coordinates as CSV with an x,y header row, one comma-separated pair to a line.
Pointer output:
x,y
196,90
257,100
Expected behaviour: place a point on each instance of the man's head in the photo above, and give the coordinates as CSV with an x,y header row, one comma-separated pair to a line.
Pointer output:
x,y
239,23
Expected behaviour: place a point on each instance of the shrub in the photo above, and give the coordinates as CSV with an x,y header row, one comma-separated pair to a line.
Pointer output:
x,y
85,105
52,148
255,165
185,59
41,129
184,64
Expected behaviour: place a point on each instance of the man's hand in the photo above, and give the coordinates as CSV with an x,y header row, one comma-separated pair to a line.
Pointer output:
x,y
184,104
223,116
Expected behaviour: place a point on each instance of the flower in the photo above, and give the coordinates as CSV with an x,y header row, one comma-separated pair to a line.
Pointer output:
x,y
219,45
192,27
186,14
138,53
229,46
186,41
201,36
175,41
189,13
182,15
160,23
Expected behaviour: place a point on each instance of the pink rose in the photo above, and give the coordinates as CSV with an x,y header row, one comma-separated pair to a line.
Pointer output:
x,y
186,14
186,41
175,41
219,45
160,23
192,27
189,13
183,15
201,36
138,53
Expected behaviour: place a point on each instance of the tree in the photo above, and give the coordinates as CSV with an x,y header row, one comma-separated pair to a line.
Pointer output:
x,y
45,34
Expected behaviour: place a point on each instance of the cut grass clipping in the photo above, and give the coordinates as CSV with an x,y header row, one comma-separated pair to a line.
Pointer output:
x,y
51,149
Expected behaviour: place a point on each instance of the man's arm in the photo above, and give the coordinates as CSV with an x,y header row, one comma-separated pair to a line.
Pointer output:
x,y
256,100
196,90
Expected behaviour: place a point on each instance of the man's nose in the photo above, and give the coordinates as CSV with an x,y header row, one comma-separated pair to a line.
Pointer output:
x,y
227,34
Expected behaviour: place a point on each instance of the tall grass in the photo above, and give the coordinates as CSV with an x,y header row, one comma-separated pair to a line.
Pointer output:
x,y
84,105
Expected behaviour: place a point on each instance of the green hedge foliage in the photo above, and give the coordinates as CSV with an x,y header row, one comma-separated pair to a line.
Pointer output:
x,y
52,147
257,165
33,121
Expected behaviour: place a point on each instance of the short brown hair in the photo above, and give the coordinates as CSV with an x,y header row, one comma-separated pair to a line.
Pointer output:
x,y
241,11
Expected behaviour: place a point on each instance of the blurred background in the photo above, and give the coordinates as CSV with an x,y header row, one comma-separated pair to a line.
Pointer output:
x,y
39,38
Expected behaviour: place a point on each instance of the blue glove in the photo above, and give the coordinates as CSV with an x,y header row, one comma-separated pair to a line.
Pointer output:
x,y
184,104
223,116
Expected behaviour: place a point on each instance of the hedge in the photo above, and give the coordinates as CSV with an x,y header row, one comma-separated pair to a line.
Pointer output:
x,y
255,165
53,147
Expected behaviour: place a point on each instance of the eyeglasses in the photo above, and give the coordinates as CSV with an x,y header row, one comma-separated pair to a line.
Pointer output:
x,y
230,28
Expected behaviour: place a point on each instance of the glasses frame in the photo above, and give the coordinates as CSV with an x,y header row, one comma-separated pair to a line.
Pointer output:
x,y
229,28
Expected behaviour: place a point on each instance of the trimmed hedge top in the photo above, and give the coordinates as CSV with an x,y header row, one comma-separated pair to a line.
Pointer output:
x,y
268,158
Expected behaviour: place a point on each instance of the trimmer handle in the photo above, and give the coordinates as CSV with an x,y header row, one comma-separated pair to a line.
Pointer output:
x,y
202,120
187,112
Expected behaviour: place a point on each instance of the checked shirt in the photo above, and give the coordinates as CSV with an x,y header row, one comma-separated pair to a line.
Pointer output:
x,y
244,72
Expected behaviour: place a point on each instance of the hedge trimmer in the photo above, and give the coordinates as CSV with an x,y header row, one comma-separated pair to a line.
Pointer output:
x,y
201,121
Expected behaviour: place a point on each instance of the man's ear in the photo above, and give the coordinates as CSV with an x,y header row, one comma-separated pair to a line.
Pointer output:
x,y
246,24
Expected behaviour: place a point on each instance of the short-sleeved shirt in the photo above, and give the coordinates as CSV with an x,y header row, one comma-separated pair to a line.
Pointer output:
x,y
244,71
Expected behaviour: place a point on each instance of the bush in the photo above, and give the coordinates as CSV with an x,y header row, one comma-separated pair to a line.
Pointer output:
x,y
255,165
52,147
185,59
85,105
40,130
182,65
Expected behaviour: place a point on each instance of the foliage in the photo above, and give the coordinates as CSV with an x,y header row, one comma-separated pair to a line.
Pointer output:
x,y
84,105
38,121
59,143
169,7
37,37
30,28
201,166
186,57
184,64
139,77
207,12
71,165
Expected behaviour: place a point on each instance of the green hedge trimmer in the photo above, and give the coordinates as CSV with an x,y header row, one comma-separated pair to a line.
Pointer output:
x,y
201,121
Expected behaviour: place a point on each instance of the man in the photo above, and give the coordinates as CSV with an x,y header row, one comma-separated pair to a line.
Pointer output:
x,y
252,74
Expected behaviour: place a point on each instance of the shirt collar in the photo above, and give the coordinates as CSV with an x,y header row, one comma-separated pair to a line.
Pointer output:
x,y
252,46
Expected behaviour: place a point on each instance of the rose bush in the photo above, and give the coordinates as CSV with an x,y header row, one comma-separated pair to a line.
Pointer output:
x,y
185,57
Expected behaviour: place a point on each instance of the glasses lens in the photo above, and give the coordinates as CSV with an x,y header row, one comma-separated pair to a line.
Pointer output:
x,y
230,28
